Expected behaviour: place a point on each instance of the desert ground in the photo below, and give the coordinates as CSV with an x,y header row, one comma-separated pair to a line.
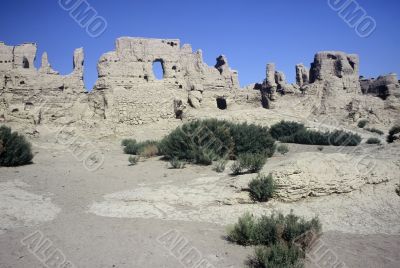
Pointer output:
x,y
118,215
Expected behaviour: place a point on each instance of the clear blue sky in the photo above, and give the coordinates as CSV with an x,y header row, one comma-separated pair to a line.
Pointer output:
x,y
250,33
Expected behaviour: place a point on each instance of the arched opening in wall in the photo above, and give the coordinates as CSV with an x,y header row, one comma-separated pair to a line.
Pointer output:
x,y
25,63
221,103
158,69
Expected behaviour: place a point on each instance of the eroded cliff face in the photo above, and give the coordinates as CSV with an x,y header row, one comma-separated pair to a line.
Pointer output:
x,y
38,96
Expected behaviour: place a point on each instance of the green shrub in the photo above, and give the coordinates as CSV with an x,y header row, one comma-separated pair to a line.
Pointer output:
x,y
236,168
146,148
133,160
283,149
14,149
375,130
205,141
253,163
220,165
125,142
177,164
362,123
291,132
269,230
277,256
373,141
392,132
262,188
285,129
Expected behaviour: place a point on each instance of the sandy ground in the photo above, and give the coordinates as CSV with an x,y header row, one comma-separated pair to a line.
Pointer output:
x,y
119,215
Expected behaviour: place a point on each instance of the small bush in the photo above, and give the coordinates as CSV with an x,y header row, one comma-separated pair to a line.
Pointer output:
x,y
146,149
125,142
277,256
362,123
285,129
242,232
320,148
392,132
398,190
14,149
220,165
149,150
133,160
177,164
283,149
262,188
253,163
236,168
373,141
375,130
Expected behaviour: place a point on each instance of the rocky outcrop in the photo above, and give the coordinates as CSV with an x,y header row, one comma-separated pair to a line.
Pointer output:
x,y
302,75
383,87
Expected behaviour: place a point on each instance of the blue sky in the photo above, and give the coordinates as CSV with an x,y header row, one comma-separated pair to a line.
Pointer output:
x,y
250,33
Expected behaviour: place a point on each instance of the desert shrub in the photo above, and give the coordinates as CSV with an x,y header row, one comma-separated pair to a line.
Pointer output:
x,y
220,165
262,188
133,160
285,129
291,132
278,256
373,141
236,168
205,141
392,132
14,149
125,142
398,190
375,130
146,148
177,164
362,123
269,230
283,149
253,163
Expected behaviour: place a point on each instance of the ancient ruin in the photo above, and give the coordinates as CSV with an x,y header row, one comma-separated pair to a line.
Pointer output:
x,y
128,93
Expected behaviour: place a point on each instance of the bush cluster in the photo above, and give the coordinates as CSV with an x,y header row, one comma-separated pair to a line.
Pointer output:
x,y
292,132
373,141
14,149
205,141
362,123
262,188
375,130
133,160
177,164
145,149
392,132
251,163
282,239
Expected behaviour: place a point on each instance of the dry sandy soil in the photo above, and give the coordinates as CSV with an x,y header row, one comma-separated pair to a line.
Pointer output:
x,y
117,215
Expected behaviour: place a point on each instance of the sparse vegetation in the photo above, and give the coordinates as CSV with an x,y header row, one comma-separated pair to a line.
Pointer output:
x,y
145,149
262,188
362,123
236,168
133,160
392,134
14,149
292,132
220,165
282,240
283,149
177,164
374,141
375,130
252,163
205,141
